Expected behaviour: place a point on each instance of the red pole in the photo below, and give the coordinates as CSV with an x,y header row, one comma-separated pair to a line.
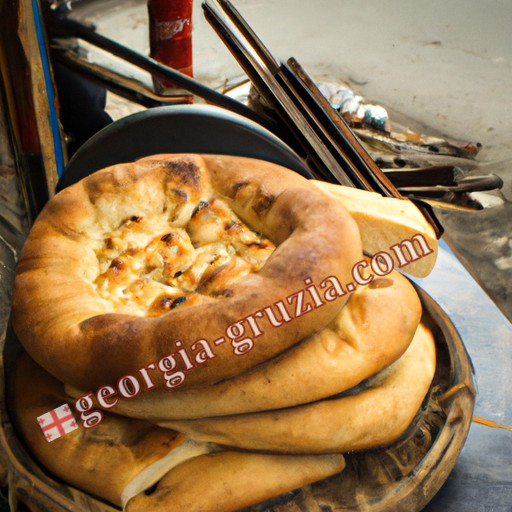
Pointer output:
x,y
170,36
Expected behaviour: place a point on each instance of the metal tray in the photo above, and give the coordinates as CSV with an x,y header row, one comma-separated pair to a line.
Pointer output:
x,y
403,476
179,129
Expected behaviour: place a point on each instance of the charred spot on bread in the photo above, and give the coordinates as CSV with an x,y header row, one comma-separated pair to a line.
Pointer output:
x,y
186,171
167,238
199,207
177,301
224,214
263,202
117,265
381,282
238,186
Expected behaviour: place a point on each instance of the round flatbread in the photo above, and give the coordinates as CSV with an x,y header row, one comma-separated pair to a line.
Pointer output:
x,y
101,461
370,418
372,331
149,220
138,466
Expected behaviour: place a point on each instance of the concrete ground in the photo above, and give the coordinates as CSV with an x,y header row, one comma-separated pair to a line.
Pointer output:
x,y
444,66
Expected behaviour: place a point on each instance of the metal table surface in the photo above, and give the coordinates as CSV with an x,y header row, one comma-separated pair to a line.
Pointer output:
x,y
482,478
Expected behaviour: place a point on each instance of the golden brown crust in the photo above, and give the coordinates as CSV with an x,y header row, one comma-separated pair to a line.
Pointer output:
x,y
371,332
386,222
229,481
371,418
106,460
65,327
101,460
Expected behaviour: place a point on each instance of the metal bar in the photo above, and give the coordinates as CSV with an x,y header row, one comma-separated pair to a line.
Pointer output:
x,y
357,164
334,124
256,68
353,174
72,28
359,169
252,38
123,86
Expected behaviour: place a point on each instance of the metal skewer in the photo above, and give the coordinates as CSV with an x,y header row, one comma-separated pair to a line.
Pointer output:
x,y
71,28
324,136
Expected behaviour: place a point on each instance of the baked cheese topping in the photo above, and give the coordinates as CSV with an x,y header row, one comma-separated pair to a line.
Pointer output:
x,y
149,265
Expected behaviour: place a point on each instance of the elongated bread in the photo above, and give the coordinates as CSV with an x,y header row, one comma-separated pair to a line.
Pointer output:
x,y
229,481
102,460
121,458
386,222
371,332
371,418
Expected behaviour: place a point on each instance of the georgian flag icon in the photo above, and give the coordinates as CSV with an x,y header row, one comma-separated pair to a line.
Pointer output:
x,y
57,423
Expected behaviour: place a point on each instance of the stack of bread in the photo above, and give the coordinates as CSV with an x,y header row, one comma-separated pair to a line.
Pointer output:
x,y
225,329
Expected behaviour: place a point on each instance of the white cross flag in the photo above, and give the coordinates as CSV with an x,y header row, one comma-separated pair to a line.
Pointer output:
x,y
57,423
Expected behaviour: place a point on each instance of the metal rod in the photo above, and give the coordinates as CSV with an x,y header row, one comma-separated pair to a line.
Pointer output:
x,y
123,86
69,27
334,124
251,37
255,65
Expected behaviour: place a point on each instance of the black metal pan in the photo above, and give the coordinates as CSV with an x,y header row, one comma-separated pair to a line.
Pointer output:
x,y
179,129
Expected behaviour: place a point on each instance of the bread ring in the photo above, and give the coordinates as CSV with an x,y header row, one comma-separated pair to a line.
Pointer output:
x,y
372,418
373,330
74,334
101,461
121,458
